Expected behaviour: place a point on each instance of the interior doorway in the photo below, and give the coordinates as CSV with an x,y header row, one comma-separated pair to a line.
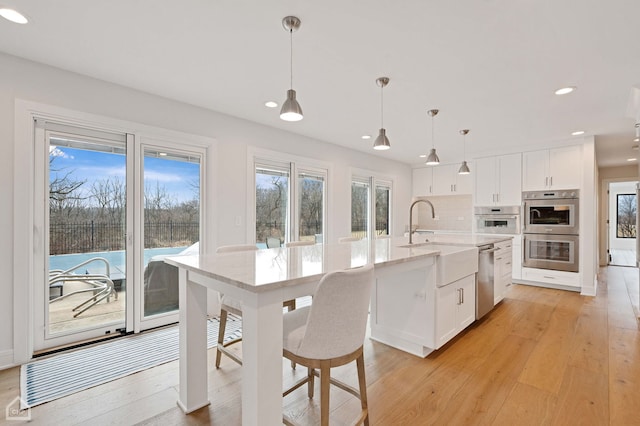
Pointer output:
x,y
621,232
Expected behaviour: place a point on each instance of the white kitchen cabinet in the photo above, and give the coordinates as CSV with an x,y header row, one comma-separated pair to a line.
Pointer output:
x,y
568,280
447,181
503,267
557,168
516,258
455,308
422,181
403,306
498,180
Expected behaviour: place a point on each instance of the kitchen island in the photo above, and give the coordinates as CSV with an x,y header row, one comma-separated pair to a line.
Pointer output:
x,y
261,280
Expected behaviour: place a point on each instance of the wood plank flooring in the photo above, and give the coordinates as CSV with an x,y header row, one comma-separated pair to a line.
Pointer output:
x,y
541,357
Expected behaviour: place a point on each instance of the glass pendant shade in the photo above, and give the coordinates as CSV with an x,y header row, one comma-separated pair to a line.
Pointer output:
x,y
382,142
464,169
432,159
291,109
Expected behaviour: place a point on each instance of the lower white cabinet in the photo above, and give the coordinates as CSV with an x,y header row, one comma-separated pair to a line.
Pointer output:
x,y
455,308
503,269
410,313
554,278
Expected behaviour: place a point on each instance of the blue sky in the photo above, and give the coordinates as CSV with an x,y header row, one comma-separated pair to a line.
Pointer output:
x,y
177,177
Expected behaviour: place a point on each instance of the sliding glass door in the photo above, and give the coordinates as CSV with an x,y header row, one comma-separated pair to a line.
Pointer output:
x,y
83,205
111,208
171,225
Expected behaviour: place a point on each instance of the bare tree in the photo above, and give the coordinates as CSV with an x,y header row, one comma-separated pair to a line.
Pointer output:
x,y
627,208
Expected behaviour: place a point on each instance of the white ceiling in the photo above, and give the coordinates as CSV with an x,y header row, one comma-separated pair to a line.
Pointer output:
x,y
489,65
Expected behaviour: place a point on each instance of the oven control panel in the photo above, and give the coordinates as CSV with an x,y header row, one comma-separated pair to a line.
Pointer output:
x,y
541,195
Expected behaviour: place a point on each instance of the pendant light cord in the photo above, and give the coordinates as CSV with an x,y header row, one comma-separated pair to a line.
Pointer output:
x,y
381,106
433,144
291,57
464,147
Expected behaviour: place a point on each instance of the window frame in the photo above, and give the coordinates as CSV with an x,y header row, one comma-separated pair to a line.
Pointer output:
x,y
618,196
28,239
374,180
297,164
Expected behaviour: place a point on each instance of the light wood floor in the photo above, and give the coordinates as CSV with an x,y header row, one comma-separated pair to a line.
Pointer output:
x,y
542,357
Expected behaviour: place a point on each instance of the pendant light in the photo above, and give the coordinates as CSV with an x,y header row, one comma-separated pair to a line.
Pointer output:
x,y
432,159
464,168
382,142
291,109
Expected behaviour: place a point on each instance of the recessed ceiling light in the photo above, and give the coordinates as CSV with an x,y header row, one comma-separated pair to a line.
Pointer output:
x,y
162,154
577,133
365,137
422,155
271,104
13,16
636,140
565,90
631,159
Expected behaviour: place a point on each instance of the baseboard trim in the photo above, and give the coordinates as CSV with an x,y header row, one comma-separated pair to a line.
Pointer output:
x,y
6,360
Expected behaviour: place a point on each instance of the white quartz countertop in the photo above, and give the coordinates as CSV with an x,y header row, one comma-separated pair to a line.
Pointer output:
x,y
280,267
461,239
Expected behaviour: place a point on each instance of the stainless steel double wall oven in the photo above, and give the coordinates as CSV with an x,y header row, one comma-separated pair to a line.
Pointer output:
x,y
551,230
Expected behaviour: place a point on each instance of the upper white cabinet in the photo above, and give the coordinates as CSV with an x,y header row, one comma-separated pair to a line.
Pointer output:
x,y
422,181
557,168
441,180
498,180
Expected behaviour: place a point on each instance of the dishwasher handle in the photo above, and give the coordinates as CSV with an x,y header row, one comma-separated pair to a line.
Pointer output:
x,y
491,250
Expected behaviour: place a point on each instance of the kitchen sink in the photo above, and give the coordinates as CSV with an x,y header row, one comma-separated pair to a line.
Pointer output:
x,y
415,245
452,265
453,262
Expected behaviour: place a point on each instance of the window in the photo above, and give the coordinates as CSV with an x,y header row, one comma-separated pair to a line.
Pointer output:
x,y
311,189
383,208
277,219
626,208
360,189
370,213
272,203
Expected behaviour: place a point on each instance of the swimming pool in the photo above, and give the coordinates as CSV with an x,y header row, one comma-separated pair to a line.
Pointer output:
x,y
115,258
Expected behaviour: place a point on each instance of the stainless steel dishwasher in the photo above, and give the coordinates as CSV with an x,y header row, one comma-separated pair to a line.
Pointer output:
x,y
484,280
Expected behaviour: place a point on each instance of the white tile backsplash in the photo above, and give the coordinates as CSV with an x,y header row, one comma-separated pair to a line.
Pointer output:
x,y
453,213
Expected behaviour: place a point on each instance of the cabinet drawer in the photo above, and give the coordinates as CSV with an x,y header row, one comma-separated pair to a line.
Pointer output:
x,y
503,246
571,279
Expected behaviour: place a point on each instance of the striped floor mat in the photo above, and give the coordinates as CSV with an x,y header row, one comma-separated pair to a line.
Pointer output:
x,y
63,374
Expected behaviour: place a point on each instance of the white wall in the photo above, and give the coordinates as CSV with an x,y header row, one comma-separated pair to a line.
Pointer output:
x,y
20,79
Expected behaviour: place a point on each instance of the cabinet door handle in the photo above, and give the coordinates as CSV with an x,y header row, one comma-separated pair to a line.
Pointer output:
x,y
551,181
430,191
458,291
508,263
420,295
546,181
547,276
462,296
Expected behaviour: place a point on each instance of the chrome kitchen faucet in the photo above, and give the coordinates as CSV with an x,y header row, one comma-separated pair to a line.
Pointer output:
x,y
433,215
